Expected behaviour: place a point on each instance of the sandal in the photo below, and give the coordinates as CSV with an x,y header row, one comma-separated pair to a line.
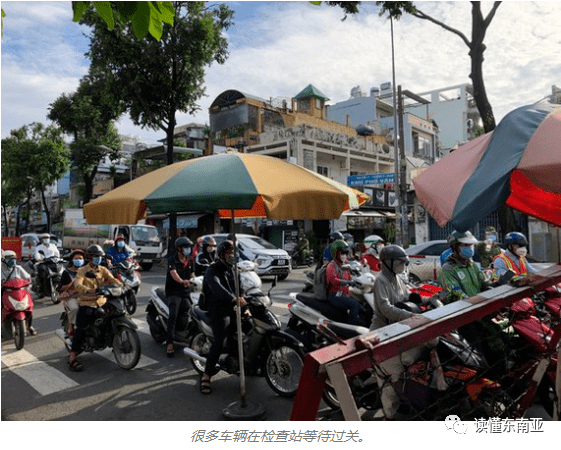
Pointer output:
x,y
205,386
170,351
75,365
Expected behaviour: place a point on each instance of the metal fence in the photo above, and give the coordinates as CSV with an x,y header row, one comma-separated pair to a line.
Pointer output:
x,y
506,387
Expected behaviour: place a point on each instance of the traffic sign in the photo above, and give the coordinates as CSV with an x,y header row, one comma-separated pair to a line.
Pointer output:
x,y
373,178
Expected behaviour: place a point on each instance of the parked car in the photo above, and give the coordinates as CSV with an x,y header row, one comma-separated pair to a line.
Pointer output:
x,y
269,259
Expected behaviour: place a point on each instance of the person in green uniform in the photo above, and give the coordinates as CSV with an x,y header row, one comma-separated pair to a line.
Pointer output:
x,y
488,248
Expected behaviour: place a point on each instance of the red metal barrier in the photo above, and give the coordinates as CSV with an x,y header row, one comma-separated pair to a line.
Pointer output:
x,y
356,355
12,243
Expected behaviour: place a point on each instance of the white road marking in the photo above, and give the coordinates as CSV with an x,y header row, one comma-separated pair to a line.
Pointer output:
x,y
39,375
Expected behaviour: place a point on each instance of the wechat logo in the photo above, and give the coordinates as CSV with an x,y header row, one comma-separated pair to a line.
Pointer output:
x,y
453,422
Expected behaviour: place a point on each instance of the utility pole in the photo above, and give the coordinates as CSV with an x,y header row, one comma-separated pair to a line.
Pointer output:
x,y
396,151
402,173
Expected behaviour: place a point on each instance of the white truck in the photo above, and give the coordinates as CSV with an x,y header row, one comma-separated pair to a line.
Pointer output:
x,y
142,239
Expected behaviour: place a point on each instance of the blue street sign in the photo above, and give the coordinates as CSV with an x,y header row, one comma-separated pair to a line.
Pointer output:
x,y
373,178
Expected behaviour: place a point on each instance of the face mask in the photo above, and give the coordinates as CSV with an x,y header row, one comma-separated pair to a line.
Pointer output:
x,y
343,258
121,244
400,268
46,241
11,262
78,262
96,261
379,247
522,251
467,252
186,251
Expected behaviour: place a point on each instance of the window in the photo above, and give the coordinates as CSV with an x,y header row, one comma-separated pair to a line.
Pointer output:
x,y
422,145
322,170
318,103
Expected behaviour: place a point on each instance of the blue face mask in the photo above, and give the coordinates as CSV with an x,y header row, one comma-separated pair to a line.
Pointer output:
x,y
120,244
45,241
78,262
96,261
186,251
467,252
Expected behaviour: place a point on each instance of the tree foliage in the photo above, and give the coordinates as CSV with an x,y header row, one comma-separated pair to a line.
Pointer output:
x,y
34,156
88,116
144,17
479,25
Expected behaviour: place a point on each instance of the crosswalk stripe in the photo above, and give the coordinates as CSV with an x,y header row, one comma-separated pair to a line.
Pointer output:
x,y
143,362
39,375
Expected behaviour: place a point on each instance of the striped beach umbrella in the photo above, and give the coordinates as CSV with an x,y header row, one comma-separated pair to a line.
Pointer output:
x,y
517,164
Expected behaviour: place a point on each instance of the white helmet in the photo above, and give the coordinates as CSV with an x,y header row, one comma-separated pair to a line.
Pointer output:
x,y
7,254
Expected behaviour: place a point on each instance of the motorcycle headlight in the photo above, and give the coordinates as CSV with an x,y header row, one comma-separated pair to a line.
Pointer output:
x,y
19,305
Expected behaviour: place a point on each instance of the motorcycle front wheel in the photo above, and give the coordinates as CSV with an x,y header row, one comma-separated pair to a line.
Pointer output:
x,y
126,348
54,293
283,366
130,302
18,332
201,345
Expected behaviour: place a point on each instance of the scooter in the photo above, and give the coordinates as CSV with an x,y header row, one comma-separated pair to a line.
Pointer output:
x,y
157,314
268,351
110,329
127,273
48,287
17,308
296,260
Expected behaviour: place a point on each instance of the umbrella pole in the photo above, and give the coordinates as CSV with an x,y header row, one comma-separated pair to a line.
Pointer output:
x,y
242,409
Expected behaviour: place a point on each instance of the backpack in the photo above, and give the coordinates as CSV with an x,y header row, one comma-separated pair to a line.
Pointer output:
x,y
320,284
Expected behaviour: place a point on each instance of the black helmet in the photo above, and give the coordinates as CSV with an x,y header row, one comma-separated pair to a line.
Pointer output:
x,y
183,242
336,236
224,247
208,240
391,253
95,250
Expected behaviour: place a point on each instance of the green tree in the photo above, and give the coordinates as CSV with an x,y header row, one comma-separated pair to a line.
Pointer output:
x,y
34,156
88,116
479,25
158,78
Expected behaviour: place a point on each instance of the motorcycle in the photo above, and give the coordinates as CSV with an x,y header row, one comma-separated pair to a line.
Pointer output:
x,y
17,307
127,273
48,287
268,351
110,329
157,314
296,259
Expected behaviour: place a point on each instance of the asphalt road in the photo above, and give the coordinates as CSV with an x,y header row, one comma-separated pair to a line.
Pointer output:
x,y
37,384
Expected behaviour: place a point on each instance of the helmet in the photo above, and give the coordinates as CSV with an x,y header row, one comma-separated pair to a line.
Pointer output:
x,y
208,240
95,250
224,247
44,236
7,254
460,237
347,236
75,252
515,237
338,246
393,251
374,239
183,242
336,236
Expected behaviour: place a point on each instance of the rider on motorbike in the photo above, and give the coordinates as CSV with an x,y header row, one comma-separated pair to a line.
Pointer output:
x,y
220,294
119,251
390,289
338,293
89,279
68,292
372,255
43,251
11,269
207,255
514,257
303,246
180,272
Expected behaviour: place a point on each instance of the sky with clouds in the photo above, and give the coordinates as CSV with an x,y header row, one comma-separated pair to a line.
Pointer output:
x,y
278,48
